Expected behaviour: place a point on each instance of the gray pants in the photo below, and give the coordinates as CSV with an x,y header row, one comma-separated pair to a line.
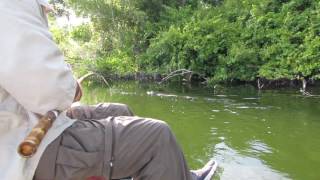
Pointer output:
x,y
144,149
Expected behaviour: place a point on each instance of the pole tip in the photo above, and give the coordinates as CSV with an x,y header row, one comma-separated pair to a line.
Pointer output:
x,y
27,149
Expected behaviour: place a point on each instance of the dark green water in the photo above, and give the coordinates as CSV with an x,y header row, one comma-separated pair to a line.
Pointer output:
x,y
254,135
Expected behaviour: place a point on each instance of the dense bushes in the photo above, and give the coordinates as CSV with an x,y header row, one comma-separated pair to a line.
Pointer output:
x,y
244,40
224,40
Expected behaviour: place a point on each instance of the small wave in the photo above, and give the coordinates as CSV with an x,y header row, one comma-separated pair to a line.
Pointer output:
x,y
251,98
215,110
189,98
259,147
243,107
152,93
221,95
230,111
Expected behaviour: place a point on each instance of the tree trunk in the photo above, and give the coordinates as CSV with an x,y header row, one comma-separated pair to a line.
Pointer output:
x,y
304,87
304,84
259,84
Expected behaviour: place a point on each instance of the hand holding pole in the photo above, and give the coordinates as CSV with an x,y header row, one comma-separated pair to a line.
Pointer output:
x,y
31,143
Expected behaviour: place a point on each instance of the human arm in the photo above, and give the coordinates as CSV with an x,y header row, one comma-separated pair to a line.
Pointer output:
x,y
32,67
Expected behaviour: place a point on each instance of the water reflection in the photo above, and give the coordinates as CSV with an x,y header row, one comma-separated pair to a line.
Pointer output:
x,y
235,166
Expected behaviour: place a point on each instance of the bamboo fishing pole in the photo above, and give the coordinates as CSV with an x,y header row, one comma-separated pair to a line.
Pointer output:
x,y
31,143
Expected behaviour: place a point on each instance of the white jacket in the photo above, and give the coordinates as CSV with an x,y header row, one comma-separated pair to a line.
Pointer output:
x,y
33,79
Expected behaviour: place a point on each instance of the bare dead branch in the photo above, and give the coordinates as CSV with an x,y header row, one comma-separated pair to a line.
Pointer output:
x,y
179,72
81,79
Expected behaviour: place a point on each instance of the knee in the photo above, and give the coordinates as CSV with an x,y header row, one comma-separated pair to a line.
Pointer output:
x,y
104,110
79,112
163,125
120,106
122,109
164,129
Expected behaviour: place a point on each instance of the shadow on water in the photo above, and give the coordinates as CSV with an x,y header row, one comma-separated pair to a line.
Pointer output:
x,y
271,134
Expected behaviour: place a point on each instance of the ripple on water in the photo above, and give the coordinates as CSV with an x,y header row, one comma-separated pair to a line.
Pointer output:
x,y
230,111
163,95
219,100
258,147
243,107
127,93
213,131
251,98
119,91
215,110
166,95
153,93
221,95
189,98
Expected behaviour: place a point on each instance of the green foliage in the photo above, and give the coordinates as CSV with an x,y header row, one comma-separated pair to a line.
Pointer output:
x,y
118,63
223,39
242,40
164,51
82,33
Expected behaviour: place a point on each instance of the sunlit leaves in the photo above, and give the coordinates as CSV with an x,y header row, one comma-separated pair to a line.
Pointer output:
x,y
222,39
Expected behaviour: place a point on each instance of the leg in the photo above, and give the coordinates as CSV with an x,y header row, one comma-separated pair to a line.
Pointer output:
x,y
75,154
51,162
146,149
143,148
100,111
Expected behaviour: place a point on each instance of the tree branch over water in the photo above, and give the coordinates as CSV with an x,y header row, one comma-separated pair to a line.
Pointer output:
x,y
180,72
86,76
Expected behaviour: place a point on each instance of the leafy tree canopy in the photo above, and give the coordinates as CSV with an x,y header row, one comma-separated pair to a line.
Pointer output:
x,y
223,39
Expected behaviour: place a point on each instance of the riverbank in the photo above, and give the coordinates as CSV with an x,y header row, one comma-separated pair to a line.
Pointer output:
x,y
260,83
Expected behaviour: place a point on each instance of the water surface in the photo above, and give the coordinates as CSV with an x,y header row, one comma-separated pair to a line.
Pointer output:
x,y
269,135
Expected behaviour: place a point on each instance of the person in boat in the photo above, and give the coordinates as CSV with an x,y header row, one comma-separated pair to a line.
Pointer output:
x,y
104,140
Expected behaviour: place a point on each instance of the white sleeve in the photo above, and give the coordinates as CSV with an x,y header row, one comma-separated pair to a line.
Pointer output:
x,y
32,68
